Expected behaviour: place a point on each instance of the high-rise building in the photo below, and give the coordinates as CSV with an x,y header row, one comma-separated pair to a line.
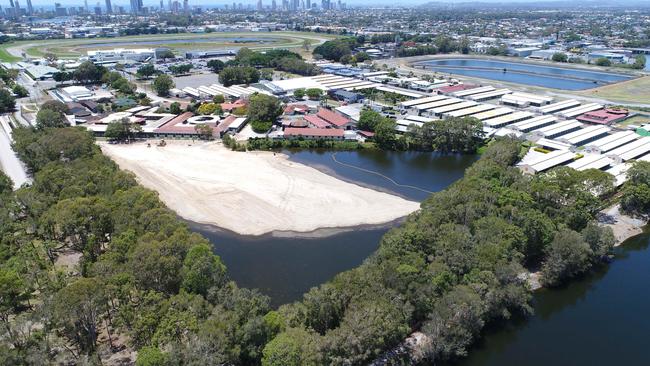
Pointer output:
x,y
86,6
109,7
260,7
186,6
308,4
274,6
136,6
30,9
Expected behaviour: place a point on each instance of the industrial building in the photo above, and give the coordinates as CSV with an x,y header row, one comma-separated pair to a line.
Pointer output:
x,y
611,142
497,112
522,100
592,161
467,92
585,135
559,106
440,111
533,124
548,161
489,95
633,150
556,129
576,111
469,111
507,119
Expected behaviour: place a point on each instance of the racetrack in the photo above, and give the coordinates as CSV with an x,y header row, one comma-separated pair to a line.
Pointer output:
x,y
73,48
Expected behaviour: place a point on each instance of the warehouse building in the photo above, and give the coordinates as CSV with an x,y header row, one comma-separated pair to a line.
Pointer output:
x,y
611,142
559,106
548,161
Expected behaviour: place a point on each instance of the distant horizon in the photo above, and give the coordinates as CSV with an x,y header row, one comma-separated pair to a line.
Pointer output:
x,y
356,3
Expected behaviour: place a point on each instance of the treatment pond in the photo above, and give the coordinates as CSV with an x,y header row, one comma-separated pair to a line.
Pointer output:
x,y
285,267
524,73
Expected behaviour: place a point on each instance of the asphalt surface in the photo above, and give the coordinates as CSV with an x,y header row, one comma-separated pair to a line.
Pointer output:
x,y
11,165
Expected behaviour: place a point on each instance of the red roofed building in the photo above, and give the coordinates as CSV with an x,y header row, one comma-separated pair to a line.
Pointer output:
x,y
316,122
335,119
455,88
314,133
603,116
296,109
228,107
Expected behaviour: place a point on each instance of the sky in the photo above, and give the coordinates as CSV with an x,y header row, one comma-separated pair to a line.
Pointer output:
x,y
49,3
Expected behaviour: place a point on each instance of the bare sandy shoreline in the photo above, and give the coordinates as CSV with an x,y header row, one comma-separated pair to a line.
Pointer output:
x,y
623,226
254,193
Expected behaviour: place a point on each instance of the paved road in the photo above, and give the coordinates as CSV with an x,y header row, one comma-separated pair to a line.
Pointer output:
x,y
9,162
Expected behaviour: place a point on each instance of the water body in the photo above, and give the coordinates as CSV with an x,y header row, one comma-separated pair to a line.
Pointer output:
x,y
601,319
182,40
524,73
285,268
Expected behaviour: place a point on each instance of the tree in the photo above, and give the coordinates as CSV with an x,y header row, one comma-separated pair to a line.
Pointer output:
x,y
369,119
603,61
122,130
146,71
13,292
77,310
6,185
20,91
49,118
218,99
314,93
295,347
299,93
55,105
7,101
216,66
205,132
164,55
559,57
62,76
50,57
567,256
175,108
207,108
261,126
639,62
181,69
264,108
385,134
335,49
361,57
202,269
162,84
88,72
238,75
152,356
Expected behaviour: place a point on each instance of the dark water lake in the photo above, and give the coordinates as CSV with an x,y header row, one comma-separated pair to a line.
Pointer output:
x,y
525,73
286,267
601,319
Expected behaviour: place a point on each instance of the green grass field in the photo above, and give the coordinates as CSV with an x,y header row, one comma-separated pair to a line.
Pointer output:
x,y
72,48
632,91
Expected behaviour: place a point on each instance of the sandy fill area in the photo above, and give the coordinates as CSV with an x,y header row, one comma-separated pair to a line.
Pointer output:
x,y
253,193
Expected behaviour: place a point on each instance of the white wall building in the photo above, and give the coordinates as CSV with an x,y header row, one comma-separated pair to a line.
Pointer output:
x,y
121,54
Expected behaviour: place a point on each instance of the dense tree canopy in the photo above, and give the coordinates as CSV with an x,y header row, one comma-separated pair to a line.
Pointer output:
x,y
264,108
238,75
162,84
